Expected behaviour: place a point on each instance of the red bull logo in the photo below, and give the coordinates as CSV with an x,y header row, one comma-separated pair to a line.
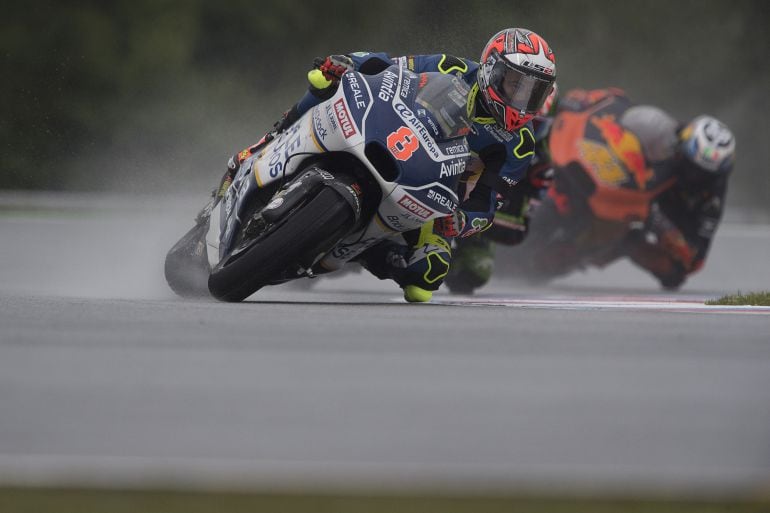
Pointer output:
x,y
625,146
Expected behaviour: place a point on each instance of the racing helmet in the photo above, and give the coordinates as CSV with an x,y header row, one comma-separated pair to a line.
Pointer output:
x,y
516,74
708,146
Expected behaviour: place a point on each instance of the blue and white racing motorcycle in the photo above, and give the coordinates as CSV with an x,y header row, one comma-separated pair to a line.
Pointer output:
x,y
380,157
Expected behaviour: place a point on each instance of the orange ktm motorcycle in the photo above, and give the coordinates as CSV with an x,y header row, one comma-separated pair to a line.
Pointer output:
x,y
602,193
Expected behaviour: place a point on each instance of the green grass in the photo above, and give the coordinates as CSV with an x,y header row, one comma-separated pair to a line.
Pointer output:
x,y
753,298
43,500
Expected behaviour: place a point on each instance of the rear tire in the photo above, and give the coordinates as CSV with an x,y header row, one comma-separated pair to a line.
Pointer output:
x,y
315,226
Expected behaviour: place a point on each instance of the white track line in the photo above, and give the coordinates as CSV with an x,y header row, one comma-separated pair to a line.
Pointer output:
x,y
646,303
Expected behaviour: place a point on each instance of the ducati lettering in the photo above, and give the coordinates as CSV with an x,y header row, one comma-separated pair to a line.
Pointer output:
x,y
411,205
388,87
454,168
344,118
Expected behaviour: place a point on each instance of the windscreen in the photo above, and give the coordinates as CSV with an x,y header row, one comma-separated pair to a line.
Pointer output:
x,y
442,103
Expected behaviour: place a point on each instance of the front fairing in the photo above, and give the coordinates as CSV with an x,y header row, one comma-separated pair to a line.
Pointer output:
x,y
387,110
380,110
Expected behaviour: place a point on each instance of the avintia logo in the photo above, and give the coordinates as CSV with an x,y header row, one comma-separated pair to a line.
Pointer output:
x,y
455,168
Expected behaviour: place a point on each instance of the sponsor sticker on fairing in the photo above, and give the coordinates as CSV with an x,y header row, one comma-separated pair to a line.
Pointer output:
x,y
331,117
415,207
318,125
343,116
359,101
445,201
452,168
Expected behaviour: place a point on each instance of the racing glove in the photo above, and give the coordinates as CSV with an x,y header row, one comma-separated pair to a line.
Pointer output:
x,y
450,226
462,223
333,66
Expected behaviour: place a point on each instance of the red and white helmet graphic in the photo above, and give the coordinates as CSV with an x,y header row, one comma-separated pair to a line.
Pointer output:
x,y
516,74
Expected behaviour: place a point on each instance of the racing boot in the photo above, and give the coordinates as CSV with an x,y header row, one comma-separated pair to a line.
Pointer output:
x,y
419,269
472,265
415,294
427,262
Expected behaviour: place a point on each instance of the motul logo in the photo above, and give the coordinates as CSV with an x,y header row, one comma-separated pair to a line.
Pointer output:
x,y
344,118
415,208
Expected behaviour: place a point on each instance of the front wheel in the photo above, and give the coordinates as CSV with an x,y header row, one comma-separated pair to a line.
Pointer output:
x,y
313,228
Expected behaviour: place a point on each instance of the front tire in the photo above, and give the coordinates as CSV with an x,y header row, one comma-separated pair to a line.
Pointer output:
x,y
313,227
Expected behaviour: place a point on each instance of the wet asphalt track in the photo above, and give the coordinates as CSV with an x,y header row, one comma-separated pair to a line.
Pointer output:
x,y
106,378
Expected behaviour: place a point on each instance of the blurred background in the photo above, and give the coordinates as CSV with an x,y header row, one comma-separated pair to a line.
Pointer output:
x,y
154,96
134,97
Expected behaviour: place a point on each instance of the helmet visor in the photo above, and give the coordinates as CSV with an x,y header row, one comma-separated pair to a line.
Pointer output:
x,y
517,89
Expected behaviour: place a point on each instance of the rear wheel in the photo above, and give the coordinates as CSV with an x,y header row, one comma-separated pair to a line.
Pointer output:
x,y
304,233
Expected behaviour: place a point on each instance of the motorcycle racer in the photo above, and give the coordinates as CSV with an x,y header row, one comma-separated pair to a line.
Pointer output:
x,y
515,75
684,219
473,258
683,169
